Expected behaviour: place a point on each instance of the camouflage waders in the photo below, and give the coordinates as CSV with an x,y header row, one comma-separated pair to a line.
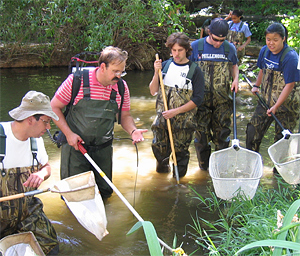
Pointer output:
x,y
93,121
24,214
237,38
288,113
214,114
182,126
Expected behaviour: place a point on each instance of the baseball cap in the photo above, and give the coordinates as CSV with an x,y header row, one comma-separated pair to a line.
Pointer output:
x,y
33,103
219,27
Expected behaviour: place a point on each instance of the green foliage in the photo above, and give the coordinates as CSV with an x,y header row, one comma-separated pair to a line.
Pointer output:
x,y
88,25
281,244
258,29
242,222
292,25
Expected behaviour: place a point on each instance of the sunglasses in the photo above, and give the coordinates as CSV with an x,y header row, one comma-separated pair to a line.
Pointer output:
x,y
217,40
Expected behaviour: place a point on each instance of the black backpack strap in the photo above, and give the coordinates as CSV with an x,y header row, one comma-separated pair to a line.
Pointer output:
x,y
121,89
191,72
200,46
86,84
75,88
2,143
166,67
241,25
2,148
226,48
286,50
34,150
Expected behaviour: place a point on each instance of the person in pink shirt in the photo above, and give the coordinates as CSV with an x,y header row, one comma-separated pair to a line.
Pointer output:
x,y
91,118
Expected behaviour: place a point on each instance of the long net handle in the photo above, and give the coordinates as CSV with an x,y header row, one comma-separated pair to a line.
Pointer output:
x,y
20,195
124,200
168,122
262,101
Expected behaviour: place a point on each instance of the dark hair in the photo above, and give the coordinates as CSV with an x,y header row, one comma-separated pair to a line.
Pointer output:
x,y
278,28
182,40
238,13
37,116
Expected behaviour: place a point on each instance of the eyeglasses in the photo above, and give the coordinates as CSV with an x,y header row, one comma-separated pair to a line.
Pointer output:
x,y
45,122
123,73
217,40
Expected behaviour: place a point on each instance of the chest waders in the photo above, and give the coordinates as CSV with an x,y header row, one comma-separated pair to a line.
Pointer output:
x,y
93,121
23,214
237,38
182,125
214,114
288,113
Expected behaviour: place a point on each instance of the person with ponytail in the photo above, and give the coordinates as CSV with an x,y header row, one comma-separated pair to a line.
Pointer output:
x,y
278,83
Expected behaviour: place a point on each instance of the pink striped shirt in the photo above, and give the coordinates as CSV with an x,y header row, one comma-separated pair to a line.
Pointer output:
x,y
97,91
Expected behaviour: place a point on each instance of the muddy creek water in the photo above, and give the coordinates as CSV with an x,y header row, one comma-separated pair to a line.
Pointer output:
x,y
156,197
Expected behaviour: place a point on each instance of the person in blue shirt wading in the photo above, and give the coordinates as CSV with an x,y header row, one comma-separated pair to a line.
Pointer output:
x,y
238,31
278,83
218,60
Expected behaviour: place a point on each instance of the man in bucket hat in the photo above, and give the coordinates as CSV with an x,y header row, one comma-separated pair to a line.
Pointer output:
x,y
218,60
24,167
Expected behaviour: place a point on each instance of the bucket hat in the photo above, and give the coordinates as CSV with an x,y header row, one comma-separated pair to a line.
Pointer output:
x,y
33,103
219,27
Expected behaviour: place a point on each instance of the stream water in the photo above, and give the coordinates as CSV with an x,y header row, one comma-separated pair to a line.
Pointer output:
x,y
156,197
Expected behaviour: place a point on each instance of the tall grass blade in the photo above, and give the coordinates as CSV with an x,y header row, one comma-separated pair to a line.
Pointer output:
x,y
270,242
151,237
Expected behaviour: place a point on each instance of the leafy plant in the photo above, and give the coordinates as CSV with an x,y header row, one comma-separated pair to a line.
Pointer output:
x,y
152,239
242,222
292,25
281,245
151,236
87,25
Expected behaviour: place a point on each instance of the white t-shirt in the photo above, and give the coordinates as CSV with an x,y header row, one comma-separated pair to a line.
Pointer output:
x,y
177,76
18,153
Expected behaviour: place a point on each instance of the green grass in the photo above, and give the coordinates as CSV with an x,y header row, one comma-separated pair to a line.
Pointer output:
x,y
249,225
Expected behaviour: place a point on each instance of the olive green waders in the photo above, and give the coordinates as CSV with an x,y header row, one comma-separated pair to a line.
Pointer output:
x,y
214,114
288,113
25,214
93,121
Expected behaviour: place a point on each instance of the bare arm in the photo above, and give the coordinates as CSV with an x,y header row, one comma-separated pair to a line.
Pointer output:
x,y
201,32
245,44
128,125
258,82
154,84
36,179
282,97
72,137
235,77
182,109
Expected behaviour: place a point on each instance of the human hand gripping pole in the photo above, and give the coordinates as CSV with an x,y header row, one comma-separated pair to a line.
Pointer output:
x,y
168,123
124,200
285,132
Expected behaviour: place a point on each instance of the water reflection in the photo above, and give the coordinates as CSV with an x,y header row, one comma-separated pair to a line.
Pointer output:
x,y
156,197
